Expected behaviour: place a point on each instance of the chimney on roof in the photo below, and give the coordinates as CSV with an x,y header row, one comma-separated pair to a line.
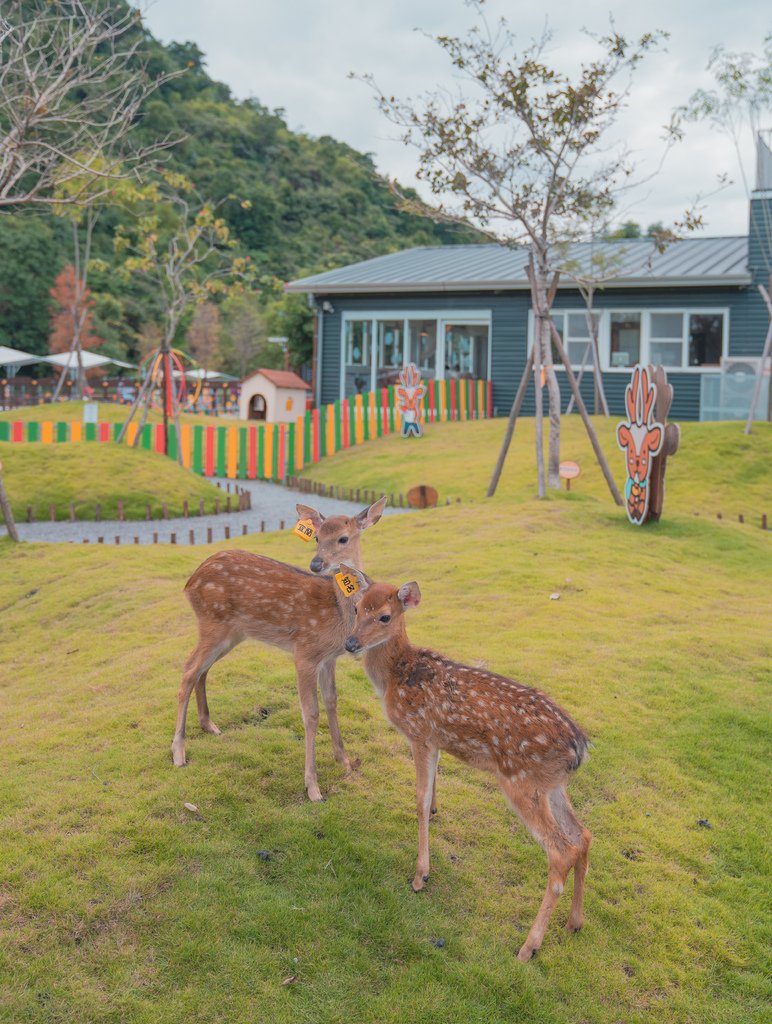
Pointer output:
x,y
760,226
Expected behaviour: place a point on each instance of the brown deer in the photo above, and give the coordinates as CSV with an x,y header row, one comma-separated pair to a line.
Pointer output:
x,y
237,595
486,720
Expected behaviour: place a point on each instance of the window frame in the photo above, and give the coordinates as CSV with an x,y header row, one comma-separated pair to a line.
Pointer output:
x,y
443,317
604,335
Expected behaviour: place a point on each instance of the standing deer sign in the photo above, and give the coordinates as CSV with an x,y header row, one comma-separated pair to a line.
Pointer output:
x,y
647,442
410,391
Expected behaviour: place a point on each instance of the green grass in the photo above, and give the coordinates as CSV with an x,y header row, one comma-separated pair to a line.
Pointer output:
x,y
86,474
109,412
717,468
117,905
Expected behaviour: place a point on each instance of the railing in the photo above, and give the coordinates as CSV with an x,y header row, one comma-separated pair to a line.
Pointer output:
x,y
274,451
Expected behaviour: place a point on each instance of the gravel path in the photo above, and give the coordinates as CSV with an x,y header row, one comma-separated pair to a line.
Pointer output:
x,y
271,503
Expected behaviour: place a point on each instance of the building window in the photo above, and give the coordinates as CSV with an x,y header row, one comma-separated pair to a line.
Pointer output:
x,y
390,351
574,332
466,350
706,339
666,339
422,349
625,339
358,356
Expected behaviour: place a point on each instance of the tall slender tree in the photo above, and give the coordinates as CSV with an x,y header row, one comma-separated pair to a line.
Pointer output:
x,y
524,151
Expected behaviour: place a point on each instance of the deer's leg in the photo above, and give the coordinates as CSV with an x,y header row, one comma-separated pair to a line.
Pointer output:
x,y
533,806
579,837
330,697
434,788
309,705
206,653
425,760
203,707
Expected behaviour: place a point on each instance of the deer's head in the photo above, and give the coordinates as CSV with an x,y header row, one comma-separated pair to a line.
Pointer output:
x,y
337,537
379,611
640,439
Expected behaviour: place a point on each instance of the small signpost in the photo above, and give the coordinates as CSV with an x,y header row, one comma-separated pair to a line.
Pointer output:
x,y
91,412
569,471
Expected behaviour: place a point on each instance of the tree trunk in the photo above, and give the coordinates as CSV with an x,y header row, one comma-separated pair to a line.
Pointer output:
x,y
5,508
541,289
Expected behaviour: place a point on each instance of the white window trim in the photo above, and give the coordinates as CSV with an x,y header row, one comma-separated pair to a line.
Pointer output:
x,y
443,317
604,335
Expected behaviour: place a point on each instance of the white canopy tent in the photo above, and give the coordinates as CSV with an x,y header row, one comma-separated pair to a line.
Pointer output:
x,y
15,357
89,359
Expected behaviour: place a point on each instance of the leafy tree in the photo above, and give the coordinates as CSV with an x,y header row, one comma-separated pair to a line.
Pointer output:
x,y
522,149
630,229
71,313
31,250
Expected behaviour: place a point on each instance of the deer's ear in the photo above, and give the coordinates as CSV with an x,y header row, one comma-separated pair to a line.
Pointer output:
x,y
362,578
370,516
623,435
409,595
306,512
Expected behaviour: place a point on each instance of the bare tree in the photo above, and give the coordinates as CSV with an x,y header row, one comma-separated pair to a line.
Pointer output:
x,y
72,82
244,331
742,97
522,149
204,335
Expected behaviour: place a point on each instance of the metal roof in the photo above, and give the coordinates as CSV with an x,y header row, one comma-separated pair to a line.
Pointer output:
x,y
449,268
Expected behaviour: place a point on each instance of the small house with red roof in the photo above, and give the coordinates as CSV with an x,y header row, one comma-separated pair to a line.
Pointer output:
x,y
273,396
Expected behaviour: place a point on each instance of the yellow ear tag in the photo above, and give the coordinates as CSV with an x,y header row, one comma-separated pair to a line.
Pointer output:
x,y
347,583
304,529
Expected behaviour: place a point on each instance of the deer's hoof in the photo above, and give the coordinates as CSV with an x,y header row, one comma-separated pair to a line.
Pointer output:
x,y
211,728
314,794
178,756
574,925
434,810
526,954
419,882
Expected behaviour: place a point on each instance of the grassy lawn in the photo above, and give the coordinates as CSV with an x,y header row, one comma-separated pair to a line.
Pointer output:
x,y
118,905
86,474
717,469
109,412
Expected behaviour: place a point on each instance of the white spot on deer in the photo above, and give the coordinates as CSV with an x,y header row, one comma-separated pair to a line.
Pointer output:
x,y
557,888
312,622
541,738
522,745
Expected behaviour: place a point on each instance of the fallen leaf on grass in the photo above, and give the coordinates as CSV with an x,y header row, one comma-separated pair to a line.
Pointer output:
x,y
290,980
191,807
554,597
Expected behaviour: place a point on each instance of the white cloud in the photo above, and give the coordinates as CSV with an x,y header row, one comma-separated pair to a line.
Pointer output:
x,y
297,54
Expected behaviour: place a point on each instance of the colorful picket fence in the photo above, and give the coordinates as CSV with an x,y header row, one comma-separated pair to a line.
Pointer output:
x,y
274,451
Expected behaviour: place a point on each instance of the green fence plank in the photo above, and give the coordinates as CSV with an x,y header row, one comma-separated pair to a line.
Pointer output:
x,y
197,461
147,436
392,411
117,428
33,431
322,431
89,432
61,432
5,430
260,452
352,421
274,453
221,460
171,441
291,430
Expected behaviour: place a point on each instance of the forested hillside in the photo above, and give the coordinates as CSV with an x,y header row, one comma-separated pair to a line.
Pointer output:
x,y
304,204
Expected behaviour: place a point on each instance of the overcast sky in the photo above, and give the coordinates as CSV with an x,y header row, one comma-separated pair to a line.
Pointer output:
x,y
296,54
